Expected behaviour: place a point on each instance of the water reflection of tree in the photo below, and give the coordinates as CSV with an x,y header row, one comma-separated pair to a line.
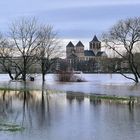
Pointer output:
x,y
71,96
26,98
42,106
5,105
95,101
32,111
32,108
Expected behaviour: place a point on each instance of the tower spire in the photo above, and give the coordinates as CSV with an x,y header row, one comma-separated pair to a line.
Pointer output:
x,y
95,45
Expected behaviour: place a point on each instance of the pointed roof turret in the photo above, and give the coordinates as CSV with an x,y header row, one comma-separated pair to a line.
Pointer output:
x,y
95,39
70,44
79,44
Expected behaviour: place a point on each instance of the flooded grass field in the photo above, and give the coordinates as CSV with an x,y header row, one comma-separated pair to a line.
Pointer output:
x,y
103,108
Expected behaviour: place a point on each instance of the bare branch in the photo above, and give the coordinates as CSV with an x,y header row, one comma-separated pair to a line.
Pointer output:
x,y
125,35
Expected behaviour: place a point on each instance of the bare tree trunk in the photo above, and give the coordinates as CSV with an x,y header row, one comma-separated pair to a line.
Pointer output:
x,y
10,75
43,77
24,70
43,70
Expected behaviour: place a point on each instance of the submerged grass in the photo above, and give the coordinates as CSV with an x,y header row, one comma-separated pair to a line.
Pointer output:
x,y
126,99
113,98
49,91
10,127
16,89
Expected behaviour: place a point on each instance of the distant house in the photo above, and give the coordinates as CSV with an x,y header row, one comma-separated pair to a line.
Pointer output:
x,y
77,53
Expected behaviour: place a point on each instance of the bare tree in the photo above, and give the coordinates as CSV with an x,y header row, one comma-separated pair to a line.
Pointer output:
x,y
123,38
24,34
49,49
6,58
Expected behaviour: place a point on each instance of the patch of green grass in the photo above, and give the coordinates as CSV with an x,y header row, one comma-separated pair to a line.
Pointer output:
x,y
113,98
16,89
105,97
10,127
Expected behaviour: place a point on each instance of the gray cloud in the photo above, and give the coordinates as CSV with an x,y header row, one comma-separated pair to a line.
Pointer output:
x,y
91,12
75,18
87,20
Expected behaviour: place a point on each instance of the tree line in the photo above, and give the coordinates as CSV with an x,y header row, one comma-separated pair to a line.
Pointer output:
x,y
26,43
33,43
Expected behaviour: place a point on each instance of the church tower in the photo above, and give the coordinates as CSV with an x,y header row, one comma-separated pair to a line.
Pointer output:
x,y
70,49
95,45
79,50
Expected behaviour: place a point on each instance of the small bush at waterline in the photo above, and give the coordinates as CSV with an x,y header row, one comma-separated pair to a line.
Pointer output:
x,y
69,77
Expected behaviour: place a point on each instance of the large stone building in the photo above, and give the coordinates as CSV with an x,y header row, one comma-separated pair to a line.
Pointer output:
x,y
78,51
76,54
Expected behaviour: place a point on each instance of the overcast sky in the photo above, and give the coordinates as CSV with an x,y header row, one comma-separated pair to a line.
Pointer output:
x,y
73,19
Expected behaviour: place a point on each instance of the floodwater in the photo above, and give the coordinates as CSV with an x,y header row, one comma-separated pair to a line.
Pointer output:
x,y
64,111
52,116
110,84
